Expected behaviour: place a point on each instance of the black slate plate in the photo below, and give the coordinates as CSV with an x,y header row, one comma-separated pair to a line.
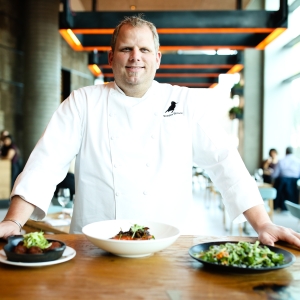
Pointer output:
x,y
289,258
31,258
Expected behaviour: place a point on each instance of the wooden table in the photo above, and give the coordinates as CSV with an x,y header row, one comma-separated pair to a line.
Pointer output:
x,y
168,274
264,185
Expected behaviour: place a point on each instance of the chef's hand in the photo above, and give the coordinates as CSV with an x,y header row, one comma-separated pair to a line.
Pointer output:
x,y
8,228
18,213
270,233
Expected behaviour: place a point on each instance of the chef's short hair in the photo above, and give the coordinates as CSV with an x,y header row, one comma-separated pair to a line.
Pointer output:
x,y
135,21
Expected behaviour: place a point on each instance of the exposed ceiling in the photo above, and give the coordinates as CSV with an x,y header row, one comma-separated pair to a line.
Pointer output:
x,y
190,25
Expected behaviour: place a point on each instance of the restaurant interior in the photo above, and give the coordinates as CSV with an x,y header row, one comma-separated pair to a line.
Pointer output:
x,y
248,50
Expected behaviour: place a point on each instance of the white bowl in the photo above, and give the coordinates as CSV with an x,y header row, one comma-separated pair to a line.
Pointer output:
x,y
100,234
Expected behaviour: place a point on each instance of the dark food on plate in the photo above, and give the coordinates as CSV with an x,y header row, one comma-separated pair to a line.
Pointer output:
x,y
35,243
242,254
136,232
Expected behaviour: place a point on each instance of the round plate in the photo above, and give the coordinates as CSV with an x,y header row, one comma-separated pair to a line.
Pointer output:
x,y
289,258
68,254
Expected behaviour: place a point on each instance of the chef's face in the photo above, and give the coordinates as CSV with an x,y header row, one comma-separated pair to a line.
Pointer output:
x,y
134,60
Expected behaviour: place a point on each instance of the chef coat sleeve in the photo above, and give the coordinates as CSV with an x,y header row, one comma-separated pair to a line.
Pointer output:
x,y
213,151
49,161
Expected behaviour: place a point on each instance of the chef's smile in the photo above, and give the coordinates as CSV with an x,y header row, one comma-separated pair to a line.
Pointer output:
x,y
134,68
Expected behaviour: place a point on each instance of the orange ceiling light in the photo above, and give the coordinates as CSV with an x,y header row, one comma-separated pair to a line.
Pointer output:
x,y
95,70
172,48
71,39
214,47
186,66
212,30
184,75
94,31
235,69
180,30
272,36
196,66
213,85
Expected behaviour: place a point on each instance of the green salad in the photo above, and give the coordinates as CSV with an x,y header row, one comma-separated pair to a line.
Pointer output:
x,y
241,254
36,239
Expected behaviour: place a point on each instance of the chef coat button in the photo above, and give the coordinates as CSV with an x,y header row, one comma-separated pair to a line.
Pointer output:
x,y
147,164
111,115
111,137
152,136
145,193
115,165
155,114
117,194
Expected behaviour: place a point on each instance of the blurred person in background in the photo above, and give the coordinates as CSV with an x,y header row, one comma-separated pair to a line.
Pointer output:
x,y
3,134
269,165
285,176
289,166
9,151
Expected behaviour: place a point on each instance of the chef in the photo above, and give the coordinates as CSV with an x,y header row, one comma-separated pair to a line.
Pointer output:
x,y
135,141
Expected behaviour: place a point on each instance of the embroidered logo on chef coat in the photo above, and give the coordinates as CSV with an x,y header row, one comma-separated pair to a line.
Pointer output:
x,y
170,111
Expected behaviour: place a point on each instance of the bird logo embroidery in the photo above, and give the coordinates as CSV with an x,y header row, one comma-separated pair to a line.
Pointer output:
x,y
172,107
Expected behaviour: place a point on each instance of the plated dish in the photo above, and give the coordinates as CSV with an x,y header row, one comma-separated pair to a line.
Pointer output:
x,y
101,233
194,251
68,254
33,248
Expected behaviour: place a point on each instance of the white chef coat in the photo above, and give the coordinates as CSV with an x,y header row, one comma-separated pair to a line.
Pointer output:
x,y
134,156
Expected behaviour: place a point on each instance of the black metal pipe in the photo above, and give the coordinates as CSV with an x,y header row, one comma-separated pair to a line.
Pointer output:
x,y
94,5
239,5
282,13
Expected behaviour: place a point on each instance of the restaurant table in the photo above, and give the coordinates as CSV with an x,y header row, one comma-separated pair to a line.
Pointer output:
x,y
31,226
167,274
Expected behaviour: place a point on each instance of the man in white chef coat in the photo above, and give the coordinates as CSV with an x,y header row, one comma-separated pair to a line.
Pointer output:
x,y
135,141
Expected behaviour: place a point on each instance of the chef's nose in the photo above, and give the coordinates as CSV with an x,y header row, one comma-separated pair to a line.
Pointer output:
x,y
135,54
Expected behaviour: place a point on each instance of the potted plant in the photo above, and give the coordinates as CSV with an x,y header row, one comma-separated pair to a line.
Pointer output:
x,y
237,89
236,112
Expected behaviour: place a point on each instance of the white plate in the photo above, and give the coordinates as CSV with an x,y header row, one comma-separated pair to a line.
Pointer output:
x,y
68,254
100,234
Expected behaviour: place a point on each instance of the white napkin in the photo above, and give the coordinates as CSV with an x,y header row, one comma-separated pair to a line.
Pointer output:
x,y
58,222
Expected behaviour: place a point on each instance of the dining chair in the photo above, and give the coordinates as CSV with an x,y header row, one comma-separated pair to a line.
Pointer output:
x,y
293,208
269,195
298,187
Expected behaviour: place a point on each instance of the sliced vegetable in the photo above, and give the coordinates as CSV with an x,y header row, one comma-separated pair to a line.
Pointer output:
x,y
36,239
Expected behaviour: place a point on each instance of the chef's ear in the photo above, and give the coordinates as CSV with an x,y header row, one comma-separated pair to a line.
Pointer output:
x,y
158,59
110,57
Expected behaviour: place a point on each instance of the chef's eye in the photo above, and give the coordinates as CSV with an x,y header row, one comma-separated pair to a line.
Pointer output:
x,y
144,50
126,49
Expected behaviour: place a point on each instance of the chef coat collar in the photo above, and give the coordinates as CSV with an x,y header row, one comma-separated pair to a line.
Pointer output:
x,y
118,89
